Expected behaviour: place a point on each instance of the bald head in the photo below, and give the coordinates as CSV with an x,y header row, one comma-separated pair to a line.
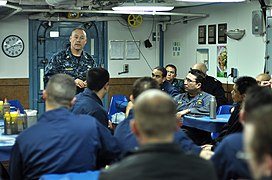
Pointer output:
x,y
201,66
262,77
155,114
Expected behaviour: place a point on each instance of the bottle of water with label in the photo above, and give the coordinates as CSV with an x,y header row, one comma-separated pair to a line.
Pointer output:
x,y
212,107
1,110
6,106
7,124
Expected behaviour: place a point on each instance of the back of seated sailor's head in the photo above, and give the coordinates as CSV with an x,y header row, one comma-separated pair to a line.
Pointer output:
x,y
154,117
256,97
142,84
98,81
59,92
258,140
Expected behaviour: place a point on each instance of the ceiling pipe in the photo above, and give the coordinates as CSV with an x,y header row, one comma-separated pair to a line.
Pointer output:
x,y
17,10
43,17
29,2
52,11
68,3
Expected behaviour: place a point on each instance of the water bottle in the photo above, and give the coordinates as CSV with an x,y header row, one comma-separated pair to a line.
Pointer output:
x,y
1,110
6,106
212,107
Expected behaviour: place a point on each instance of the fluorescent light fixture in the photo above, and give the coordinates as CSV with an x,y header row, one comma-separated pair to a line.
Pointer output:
x,y
2,2
211,1
141,7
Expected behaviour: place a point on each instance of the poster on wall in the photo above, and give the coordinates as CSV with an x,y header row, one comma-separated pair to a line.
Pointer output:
x,y
222,61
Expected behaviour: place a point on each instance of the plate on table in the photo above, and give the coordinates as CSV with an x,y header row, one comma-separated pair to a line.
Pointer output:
x,y
5,139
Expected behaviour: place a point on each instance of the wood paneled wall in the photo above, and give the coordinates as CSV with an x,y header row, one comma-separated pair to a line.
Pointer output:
x,y
121,86
18,88
15,88
228,89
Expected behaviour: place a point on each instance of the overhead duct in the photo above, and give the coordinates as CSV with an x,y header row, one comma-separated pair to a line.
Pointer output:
x,y
68,3
29,2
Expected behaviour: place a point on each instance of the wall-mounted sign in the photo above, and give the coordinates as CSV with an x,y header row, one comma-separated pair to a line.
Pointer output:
x,y
212,34
202,34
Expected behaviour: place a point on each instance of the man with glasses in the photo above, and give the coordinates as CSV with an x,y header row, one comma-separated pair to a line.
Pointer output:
x,y
171,77
194,101
159,74
73,61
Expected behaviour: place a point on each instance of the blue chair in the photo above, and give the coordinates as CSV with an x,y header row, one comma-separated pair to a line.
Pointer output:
x,y
214,135
17,104
224,109
116,104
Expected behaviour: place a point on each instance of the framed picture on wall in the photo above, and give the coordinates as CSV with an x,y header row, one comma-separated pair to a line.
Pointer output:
x,y
202,34
132,50
212,34
222,37
117,49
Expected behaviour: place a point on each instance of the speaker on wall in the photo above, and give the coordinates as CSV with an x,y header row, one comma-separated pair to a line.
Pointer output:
x,y
257,22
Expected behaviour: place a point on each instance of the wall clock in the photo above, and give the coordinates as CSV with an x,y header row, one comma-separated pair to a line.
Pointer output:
x,y
13,46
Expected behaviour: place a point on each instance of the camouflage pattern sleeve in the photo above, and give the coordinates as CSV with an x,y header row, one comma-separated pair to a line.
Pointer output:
x,y
86,62
51,68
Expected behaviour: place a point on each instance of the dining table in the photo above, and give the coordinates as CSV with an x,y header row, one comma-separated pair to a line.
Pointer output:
x,y
206,123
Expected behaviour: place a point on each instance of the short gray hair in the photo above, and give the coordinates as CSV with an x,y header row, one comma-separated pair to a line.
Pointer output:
x,y
60,90
155,113
262,138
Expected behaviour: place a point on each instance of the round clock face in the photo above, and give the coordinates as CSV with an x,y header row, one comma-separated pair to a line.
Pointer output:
x,y
13,46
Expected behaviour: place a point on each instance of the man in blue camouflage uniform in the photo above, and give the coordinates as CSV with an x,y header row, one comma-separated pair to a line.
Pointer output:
x,y
159,74
171,77
194,101
73,61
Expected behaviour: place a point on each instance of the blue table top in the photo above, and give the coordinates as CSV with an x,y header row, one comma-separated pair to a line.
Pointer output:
x,y
206,123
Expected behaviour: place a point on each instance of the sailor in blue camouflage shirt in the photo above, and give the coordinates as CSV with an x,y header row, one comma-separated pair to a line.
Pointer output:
x,y
73,61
